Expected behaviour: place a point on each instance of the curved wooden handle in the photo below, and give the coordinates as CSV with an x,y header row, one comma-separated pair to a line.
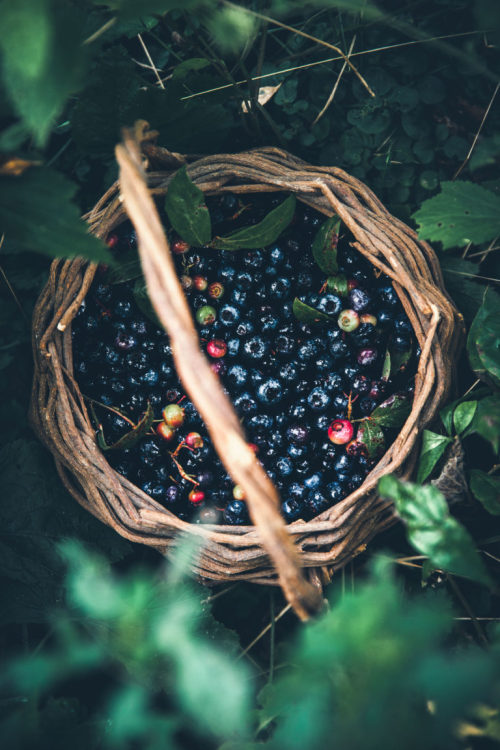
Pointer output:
x,y
202,384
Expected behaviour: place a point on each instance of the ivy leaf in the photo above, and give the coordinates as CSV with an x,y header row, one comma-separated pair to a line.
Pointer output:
x,y
482,341
371,435
338,285
186,209
463,415
433,447
36,214
392,412
324,246
143,302
261,234
307,314
433,531
486,489
130,438
486,420
462,212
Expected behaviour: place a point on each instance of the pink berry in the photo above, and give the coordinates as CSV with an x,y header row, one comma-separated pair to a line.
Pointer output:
x,y
340,431
217,348
194,440
165,431
179,247
196,497
173,415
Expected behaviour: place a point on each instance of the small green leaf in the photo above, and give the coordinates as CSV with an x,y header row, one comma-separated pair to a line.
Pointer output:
x,y
486,420
483,339
130,438
462,212
392,412
371,435
338,284
324,246
307,314
186,209
488,346
446,415
143,302
486,489
399,360
463,415
386,367
433,447
432,530
261,234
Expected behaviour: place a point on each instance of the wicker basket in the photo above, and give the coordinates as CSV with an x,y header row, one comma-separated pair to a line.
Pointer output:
x,y
60,417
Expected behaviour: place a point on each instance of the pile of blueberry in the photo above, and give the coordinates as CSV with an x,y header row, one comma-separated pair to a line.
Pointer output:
x,y
301,389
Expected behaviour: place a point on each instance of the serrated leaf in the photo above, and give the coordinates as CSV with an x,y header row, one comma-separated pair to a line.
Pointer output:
x,y
386,366
324,246
371,435
463,415
392,412
307,314
432,530
143,302
485,326
466,291
433,447
462,212
338,284
37,214
486,420
262,234
486,489
399,360
187,211
130,438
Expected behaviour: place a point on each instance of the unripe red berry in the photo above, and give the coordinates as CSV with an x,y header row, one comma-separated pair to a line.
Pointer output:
x,y
165,431
368,318
348,320
352,284
200,283
180,247
217,348
112,240
173,415
194,440
340,431
196,497
205,315
238,492
253,447
215,290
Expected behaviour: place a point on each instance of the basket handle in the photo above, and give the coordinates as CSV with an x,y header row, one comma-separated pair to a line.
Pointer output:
x,y
202,384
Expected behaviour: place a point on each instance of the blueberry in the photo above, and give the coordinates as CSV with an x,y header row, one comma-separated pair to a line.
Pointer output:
x,y
298,451
367,405
125,341
235,513
359,299
329,304
239,297
388,296
284,466
298,434
333,383
255,348
316,502
283,345
334,491
150,377
401,342
244,328
288,373
291,509
260,422
276,255
237,376
123,309
254,260
229,315
270,391
339,405
149,451
279,288
243,280
227,273
339,349
245,403
314,481
233,347
318,399
307,351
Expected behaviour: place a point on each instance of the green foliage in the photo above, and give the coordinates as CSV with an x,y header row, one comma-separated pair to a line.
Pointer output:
x,y
130,438
187,211
36,214
261,234
486,421
392,412
432,530
483,341
433,447
307,314
462,212
324,247
486,489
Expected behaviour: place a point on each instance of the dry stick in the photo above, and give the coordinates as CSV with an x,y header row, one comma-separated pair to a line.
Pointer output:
x,y
306,36
336,85
264,631
146,52
202,384
465,161
10,288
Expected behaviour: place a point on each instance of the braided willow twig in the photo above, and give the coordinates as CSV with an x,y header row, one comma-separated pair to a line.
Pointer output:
x,y
330,540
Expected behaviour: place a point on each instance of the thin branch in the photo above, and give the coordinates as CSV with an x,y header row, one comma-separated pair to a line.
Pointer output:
x,y
146,52
10,288
336,85
478,132
264,631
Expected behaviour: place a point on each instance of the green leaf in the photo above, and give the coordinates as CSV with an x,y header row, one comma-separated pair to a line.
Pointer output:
x,y
371,435
307,314
36,214
463,415
386,366
392,412
130,438
324,246
186,209
486,489
338,285
433,447
433,531
446,415
127,268
261,234
461,213
44,60
486,420
142,300
399,360
482,341
466,291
